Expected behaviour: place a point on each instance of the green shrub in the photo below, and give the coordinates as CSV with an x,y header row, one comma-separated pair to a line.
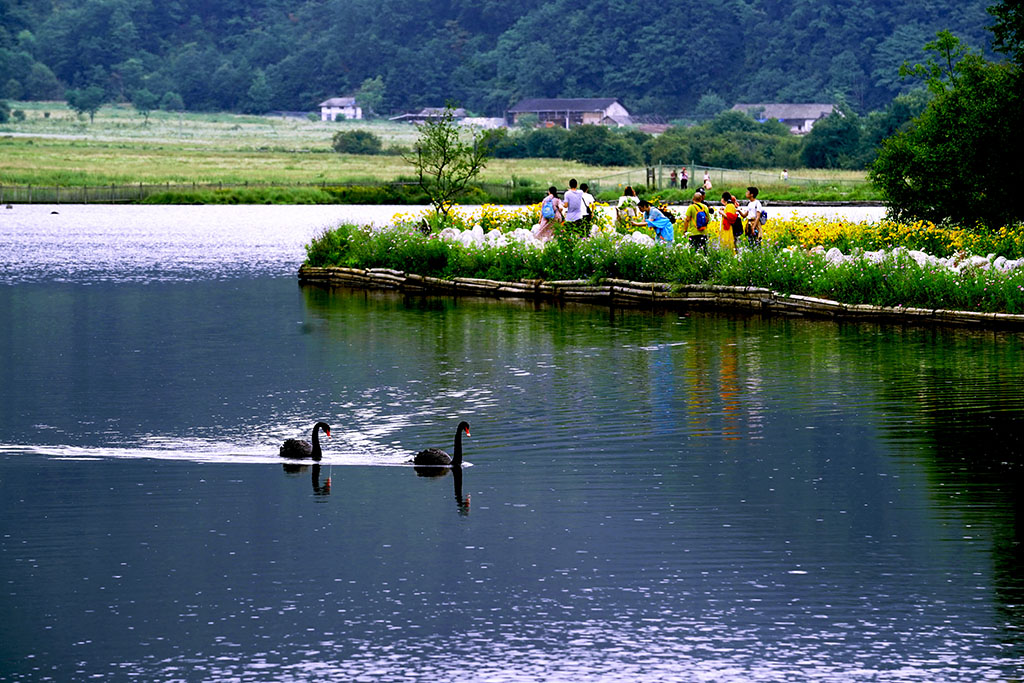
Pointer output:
x,y
356,142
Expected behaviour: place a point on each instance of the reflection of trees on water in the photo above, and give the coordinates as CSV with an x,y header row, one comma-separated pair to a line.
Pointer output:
x,y
965,400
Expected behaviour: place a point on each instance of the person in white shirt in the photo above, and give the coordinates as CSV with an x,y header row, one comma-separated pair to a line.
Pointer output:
x,y
573,200
588,206
752,212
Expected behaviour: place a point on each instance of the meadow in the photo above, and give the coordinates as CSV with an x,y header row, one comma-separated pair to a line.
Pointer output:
x,y
55,146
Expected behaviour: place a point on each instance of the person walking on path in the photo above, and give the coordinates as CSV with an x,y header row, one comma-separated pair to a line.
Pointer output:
x,y
684,178
550,214
752,213
696,222
673,179
658,221
707,181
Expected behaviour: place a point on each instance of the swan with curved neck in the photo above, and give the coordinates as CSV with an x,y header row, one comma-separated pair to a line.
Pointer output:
x,y
301,449
438,458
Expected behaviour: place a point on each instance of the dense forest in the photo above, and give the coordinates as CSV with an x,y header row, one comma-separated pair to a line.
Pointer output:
x,y
672,59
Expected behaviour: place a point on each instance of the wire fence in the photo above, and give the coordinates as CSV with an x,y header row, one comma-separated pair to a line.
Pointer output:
x,y
659,177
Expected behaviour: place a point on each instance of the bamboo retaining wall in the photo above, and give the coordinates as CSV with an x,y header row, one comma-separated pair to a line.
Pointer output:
x,y
652,294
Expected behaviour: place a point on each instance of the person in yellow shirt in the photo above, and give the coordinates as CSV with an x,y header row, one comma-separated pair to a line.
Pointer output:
x,y
729,217
696,222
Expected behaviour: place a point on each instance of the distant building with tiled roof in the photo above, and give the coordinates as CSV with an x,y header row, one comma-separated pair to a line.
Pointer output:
x,y
799,117
568,112
340,108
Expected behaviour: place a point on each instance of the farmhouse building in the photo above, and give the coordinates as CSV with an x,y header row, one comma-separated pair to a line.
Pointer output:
x,y
340,108
572,112
799,117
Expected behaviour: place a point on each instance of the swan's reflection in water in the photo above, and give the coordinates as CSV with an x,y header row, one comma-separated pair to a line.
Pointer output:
x,y
437,472
318,488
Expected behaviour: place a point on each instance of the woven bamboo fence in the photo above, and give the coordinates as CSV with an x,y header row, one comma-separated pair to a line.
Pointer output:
x,y
653,294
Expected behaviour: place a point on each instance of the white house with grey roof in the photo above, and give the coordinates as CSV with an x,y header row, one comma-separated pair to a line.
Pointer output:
x,y
799,117
340,108
568,112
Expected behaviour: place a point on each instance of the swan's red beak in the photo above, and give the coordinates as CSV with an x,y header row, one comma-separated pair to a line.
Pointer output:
x,y
467,431
327,432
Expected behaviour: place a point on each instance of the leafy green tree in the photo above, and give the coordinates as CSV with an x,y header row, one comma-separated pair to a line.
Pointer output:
x,y
259,95
834,141
1008,31
955,162
5,111
86,100
447,157
356,142
41,83
171,101
12,88
370,96
599,146
709,105
145,102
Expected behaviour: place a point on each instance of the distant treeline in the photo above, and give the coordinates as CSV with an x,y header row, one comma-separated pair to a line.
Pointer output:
x,y
681,58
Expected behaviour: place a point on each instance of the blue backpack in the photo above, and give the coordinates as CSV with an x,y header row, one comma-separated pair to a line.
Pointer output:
x,y
547,209
701,218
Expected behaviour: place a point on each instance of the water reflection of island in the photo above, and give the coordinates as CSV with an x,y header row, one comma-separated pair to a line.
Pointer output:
x,y
318,488
437,472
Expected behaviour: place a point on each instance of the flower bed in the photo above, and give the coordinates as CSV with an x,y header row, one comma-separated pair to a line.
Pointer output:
x,y
506,252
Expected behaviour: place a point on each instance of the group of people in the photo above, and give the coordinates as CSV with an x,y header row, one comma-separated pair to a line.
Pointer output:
x,y
698,222
572,214
681,179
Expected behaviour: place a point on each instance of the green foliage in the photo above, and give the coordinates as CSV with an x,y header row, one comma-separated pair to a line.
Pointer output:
x,y
370,96
171,101
895,281
86,100
599,146
356,142
479,53
955,162
145,102
445,162
1008,31
834,142
5,112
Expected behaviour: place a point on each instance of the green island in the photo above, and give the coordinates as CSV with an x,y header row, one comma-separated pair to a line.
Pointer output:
x,y
878,276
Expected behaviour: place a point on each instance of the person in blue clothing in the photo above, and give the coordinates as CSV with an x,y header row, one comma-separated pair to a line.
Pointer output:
x,y
657,220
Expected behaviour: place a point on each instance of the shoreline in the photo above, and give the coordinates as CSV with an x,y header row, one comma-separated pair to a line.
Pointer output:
x,y
614,292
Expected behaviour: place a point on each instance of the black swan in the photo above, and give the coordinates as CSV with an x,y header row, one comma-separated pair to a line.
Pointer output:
x,y
299,448
438,458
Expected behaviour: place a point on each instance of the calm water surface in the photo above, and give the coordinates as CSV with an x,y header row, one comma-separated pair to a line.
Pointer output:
x,y
653,496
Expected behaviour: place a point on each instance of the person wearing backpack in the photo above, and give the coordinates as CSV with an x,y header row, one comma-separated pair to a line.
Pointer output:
x,y
755,215
550,214
696,222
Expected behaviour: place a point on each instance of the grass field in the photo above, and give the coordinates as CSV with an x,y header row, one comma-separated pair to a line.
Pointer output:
x,y
55,146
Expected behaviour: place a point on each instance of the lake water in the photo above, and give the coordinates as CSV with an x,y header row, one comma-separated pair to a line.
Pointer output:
x,y
653,496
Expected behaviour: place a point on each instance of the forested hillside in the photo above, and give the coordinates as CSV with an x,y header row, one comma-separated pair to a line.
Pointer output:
x,y
657,57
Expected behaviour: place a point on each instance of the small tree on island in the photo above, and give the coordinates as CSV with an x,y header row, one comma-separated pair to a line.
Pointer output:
x,y
446,161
